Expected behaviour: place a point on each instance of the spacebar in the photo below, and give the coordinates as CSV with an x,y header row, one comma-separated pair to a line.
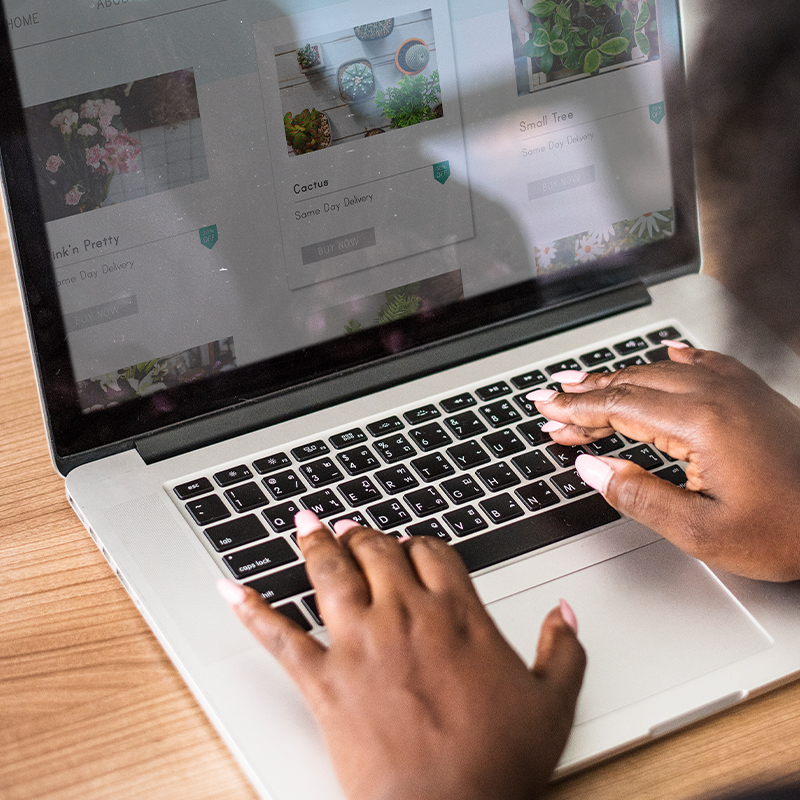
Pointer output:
x,y
532,533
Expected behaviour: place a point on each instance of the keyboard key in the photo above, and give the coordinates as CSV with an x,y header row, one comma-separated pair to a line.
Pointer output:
x,y
433,467
246,497
284,583
596,357
241,530
564,454
500,413
323,503
632,345
458,402
501,508
207,510
426,501
260,558
310,602
533,464
562,366
669,332
525,535
358,460
570,484
384,426
497,477
394,448
503,443
396,479
228,477
422,414
321,472
528,379
533,432
493,391
283,485
605,445
642,455
465,521
527,406
468,455
281,518
310,450
341,440
633,361
429,527
673,474
430,437
462,489
359,492
388,514
291,611
271,463
355,516
186,491
537,496
465,425
657,354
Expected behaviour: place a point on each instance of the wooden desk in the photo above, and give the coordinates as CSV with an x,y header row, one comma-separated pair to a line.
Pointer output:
x,y
92,709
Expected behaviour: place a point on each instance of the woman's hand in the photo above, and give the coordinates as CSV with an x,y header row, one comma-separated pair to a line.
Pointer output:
x,y
419,695
520,20
740,439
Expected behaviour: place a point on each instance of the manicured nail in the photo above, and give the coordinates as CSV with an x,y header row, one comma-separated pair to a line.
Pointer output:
x,y
344,525
552,425
571,376
542,395
306,522
568,615
594,471
673,343
231,592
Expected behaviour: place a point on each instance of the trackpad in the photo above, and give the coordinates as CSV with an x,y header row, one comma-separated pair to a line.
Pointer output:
x,y
650,619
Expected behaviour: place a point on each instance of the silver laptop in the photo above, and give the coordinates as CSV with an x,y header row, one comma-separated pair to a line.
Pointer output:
x,y
280,255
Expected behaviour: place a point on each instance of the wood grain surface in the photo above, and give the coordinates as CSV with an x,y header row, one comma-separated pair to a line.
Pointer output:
x,y
91,708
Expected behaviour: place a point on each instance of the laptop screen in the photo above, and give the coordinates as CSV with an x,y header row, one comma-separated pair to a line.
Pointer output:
x,y
274,190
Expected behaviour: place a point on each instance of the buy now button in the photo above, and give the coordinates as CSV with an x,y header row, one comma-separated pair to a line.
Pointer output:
x,y
338,246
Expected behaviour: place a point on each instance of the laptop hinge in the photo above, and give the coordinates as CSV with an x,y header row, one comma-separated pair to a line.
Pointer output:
x,y
347,385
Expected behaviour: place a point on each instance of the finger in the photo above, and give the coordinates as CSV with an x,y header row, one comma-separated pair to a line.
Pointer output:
x,y
681,515
338,580
297,652
716,362
439,567
560,658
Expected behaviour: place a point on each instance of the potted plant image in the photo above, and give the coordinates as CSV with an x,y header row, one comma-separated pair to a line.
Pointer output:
x,y
356,80
374,30
412,56
309,57
414,99
602,10
307,131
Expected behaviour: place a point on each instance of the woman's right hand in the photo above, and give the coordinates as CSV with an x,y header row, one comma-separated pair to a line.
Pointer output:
x,y
740,510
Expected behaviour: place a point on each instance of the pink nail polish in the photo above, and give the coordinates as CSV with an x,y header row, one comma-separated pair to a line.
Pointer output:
x,y
552,426
542,395
231,592
570,376
344,525
676,345
306,522
568,615
594,471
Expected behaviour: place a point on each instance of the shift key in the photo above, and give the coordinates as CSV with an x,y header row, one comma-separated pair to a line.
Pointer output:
x,y
282,584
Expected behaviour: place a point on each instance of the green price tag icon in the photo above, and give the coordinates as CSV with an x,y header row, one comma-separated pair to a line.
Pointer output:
x,y
657,112
441,171
209,236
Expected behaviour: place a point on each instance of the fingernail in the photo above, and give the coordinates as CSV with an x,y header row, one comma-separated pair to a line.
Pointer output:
x,y
542,395
306,522
594,471
571,376
231,592
344,525
568,615
673,343
552,425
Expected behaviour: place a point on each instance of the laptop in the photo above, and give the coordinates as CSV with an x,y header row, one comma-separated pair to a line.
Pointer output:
x,y
280,255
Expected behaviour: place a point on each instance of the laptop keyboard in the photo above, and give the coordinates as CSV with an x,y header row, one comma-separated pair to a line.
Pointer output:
x,y
473,469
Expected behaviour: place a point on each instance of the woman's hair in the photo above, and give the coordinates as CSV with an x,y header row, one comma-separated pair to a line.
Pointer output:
x,y
745,90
